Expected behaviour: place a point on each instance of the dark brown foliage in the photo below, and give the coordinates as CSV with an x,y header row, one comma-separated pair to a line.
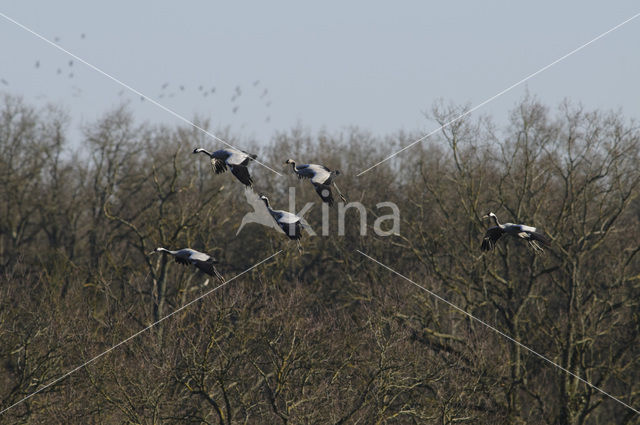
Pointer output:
x,y
326,336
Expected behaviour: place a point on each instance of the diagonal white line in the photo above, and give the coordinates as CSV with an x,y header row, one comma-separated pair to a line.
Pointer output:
x,y
128,87
498,332
528,77
55,381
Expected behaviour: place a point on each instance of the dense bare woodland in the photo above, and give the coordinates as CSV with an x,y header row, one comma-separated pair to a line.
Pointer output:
x,y
326,336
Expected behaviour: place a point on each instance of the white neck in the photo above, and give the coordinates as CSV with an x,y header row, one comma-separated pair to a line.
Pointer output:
x,y
203,151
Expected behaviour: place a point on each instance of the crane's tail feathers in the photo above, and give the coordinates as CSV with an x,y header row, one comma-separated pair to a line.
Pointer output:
x,y
539,237
253,156
486,245
536,248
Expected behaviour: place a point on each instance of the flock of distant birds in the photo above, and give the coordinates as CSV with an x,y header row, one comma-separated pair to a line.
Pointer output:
x,y
167,90
322,179
210,91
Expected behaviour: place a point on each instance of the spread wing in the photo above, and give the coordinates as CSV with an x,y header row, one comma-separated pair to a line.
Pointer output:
x,y
304,172
219,165
208,268
286,217
293,230
321,173
289,223
198,256
325,193
490,238
242,174
543,239
238,157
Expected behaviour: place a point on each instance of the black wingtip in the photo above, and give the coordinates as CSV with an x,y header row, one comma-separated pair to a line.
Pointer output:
x,y
219,166
242,174
325,193
293,231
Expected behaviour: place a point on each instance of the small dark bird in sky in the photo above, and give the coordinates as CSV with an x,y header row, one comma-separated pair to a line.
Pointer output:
x,y
268,119
233,98
181,88
213,90
37,64
141,98
56,39
165,85
256,82
59,71
264,93
235,109
238,90
70,63
82,36
3,81
200,88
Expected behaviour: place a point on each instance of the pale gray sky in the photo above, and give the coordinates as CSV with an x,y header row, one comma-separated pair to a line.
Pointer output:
x,y
327,64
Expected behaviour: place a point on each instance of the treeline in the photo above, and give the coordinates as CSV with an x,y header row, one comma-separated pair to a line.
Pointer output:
x,y
325,336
